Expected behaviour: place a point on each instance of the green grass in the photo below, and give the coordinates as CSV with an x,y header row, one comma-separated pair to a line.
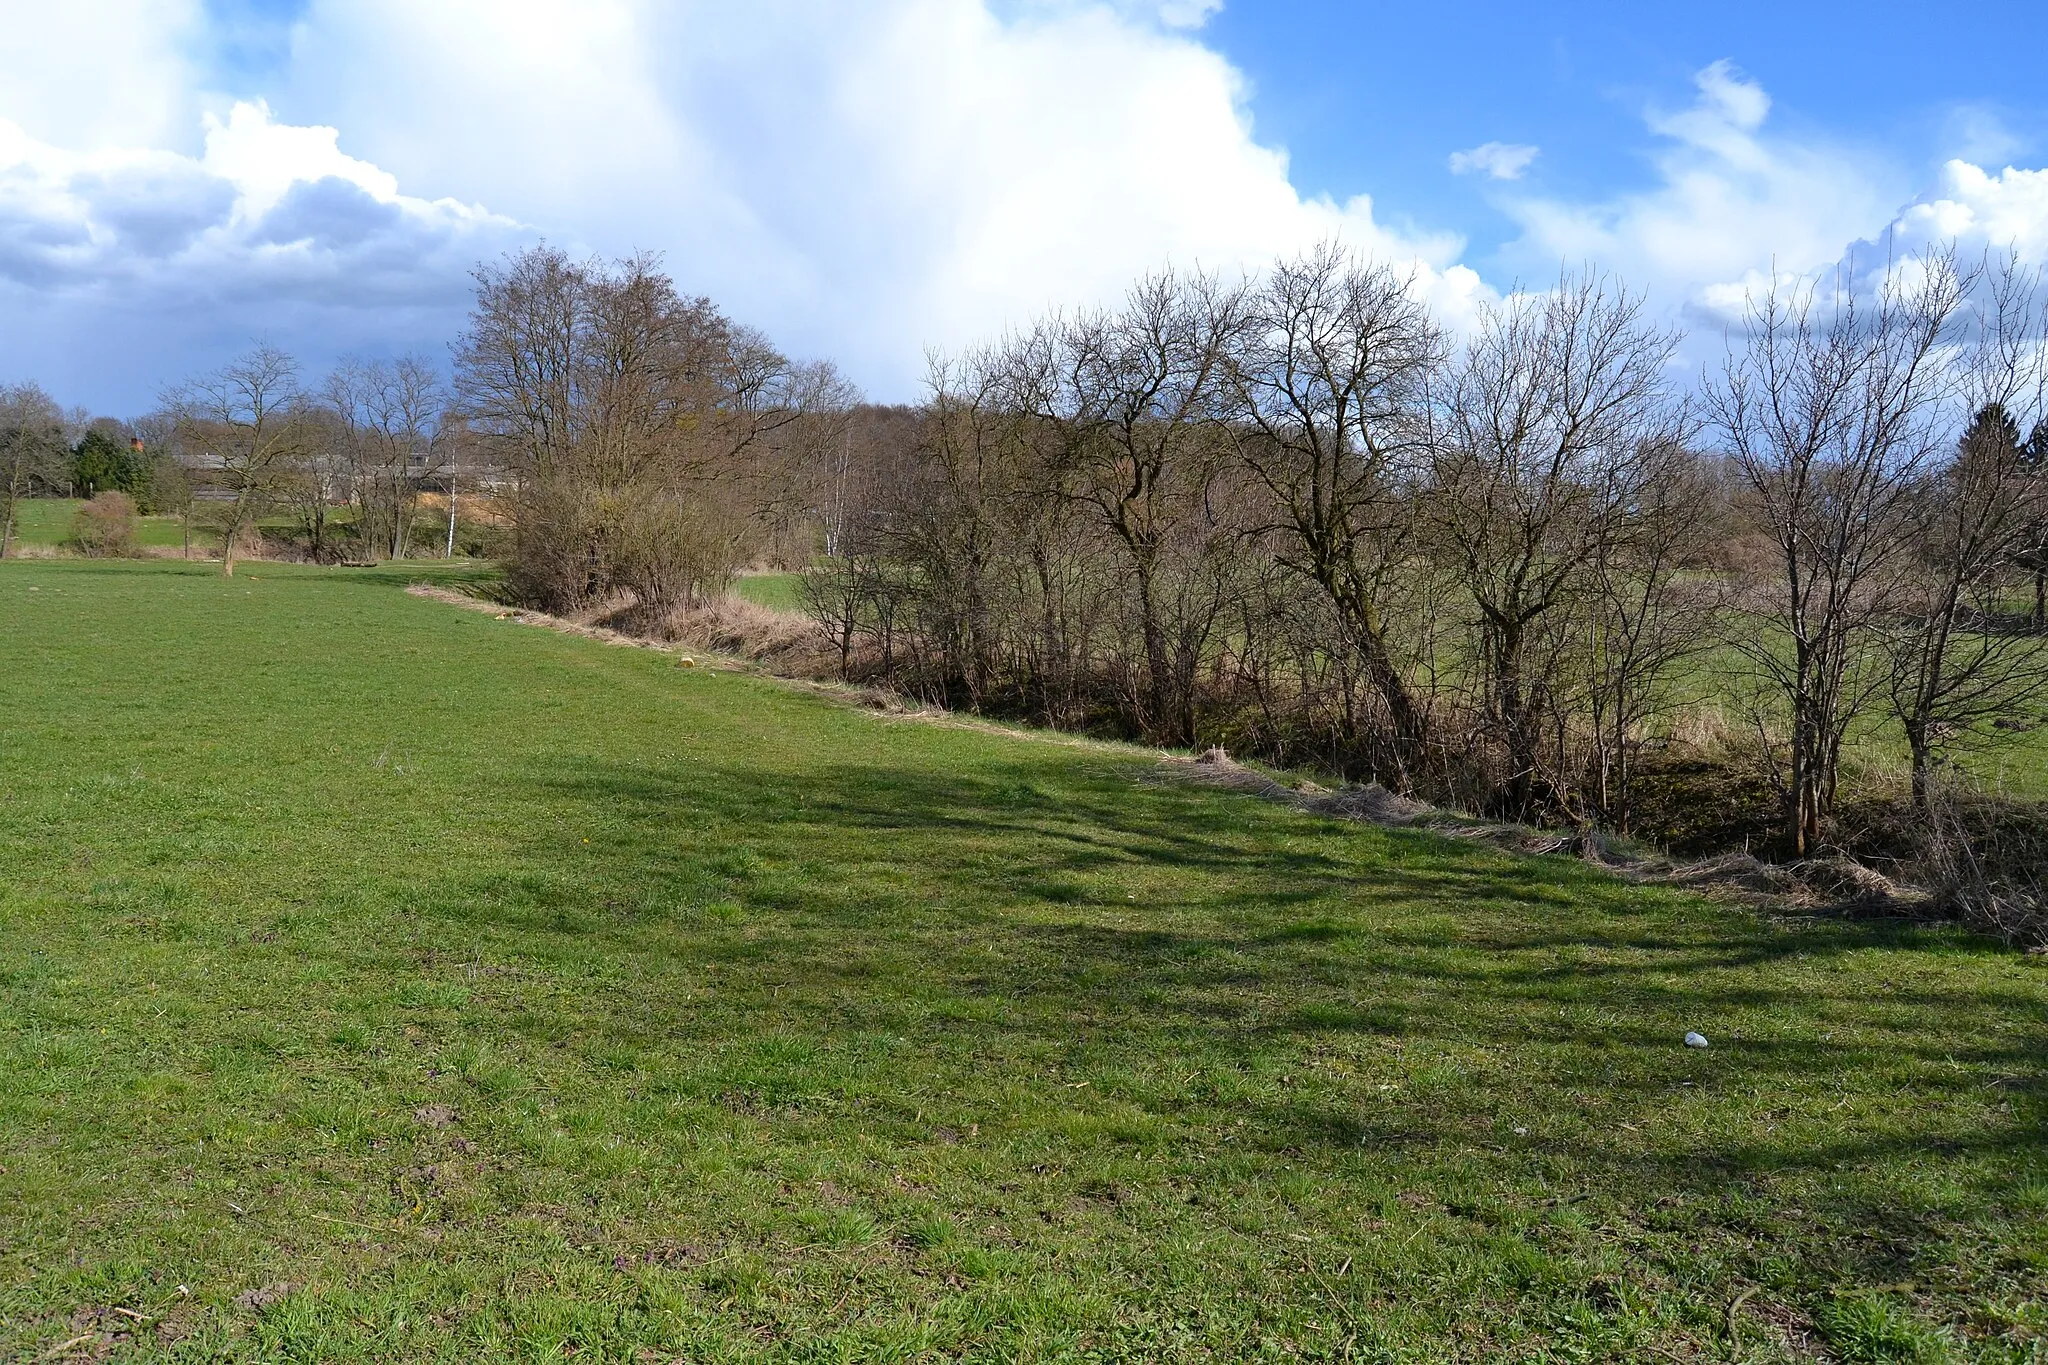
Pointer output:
x,y
2008,763
47,521
383,981
776,590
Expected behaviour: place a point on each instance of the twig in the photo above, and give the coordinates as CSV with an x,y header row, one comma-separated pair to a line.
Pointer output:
x,y
1735,1307
63,1346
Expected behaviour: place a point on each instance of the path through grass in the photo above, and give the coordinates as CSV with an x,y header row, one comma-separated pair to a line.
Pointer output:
x,y
384,981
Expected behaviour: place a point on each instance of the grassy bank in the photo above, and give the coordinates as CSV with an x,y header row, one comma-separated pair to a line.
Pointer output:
x,y
384,981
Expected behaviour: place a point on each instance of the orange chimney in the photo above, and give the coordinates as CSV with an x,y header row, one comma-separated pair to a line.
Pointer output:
x,y
135,444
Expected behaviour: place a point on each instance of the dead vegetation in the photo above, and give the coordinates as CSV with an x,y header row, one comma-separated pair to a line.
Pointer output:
x,y
1832,884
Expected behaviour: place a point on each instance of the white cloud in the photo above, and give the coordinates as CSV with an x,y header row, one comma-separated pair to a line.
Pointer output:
x,y
1735,204
1977,208
123,268
93,74
1496,160
266,208
863,181
1730,198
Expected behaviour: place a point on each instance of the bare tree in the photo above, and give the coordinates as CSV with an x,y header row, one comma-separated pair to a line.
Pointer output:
x,y
32,450
639,425
1130,401
2033,553
1644,616
1560,430
172,484
1959,660
1331,379
245,424
1831,409
387,418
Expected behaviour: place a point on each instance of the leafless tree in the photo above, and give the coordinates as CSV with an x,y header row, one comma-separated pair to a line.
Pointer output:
x,y
245,424
1331,379
1831,407
1959,661
2033,553
31,449
1129,403
1646,615
387,418
172,481
639,425
1560,430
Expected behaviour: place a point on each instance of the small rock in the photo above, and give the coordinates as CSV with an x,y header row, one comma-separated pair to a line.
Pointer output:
x,y
1521,1132
1695,1040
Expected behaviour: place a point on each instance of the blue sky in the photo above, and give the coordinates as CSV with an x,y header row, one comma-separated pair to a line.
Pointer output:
x,y
871,181
1574,79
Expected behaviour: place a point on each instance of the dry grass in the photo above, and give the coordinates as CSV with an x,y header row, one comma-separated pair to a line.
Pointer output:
x,y
1832,883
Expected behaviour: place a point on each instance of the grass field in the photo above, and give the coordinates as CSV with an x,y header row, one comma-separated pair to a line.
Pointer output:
x,y
2005,762
47,521
382,981
777,590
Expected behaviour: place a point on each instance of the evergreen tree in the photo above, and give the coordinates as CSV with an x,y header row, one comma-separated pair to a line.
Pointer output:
x,y
2034,455
100,464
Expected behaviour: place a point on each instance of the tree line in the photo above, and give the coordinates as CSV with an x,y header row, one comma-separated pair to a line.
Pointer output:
x,y
1295,517
252,440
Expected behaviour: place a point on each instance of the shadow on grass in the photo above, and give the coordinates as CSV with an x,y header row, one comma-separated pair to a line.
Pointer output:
x,y
1253,948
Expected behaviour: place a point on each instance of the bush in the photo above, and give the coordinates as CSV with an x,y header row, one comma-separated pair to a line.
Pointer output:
x,y
574,548
106,527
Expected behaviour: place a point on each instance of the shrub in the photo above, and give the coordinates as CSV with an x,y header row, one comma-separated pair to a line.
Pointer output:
x,y
105,527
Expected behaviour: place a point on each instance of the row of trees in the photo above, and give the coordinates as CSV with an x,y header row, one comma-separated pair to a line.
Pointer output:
x,y
646,445
249,440
45,450
371,435
1292,515
1295,516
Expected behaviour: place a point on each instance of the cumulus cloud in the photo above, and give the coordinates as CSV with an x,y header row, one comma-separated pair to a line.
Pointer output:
x,y
1495,160
1736,204
1974,206
1730,198
863,181
266,207
93,74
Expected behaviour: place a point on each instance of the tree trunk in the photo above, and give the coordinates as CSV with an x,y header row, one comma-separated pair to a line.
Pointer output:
x,y
1916,740
1518,720
1161,720
227,544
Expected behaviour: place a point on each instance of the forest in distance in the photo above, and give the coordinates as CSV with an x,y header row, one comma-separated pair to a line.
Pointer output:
x,y
1529,568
